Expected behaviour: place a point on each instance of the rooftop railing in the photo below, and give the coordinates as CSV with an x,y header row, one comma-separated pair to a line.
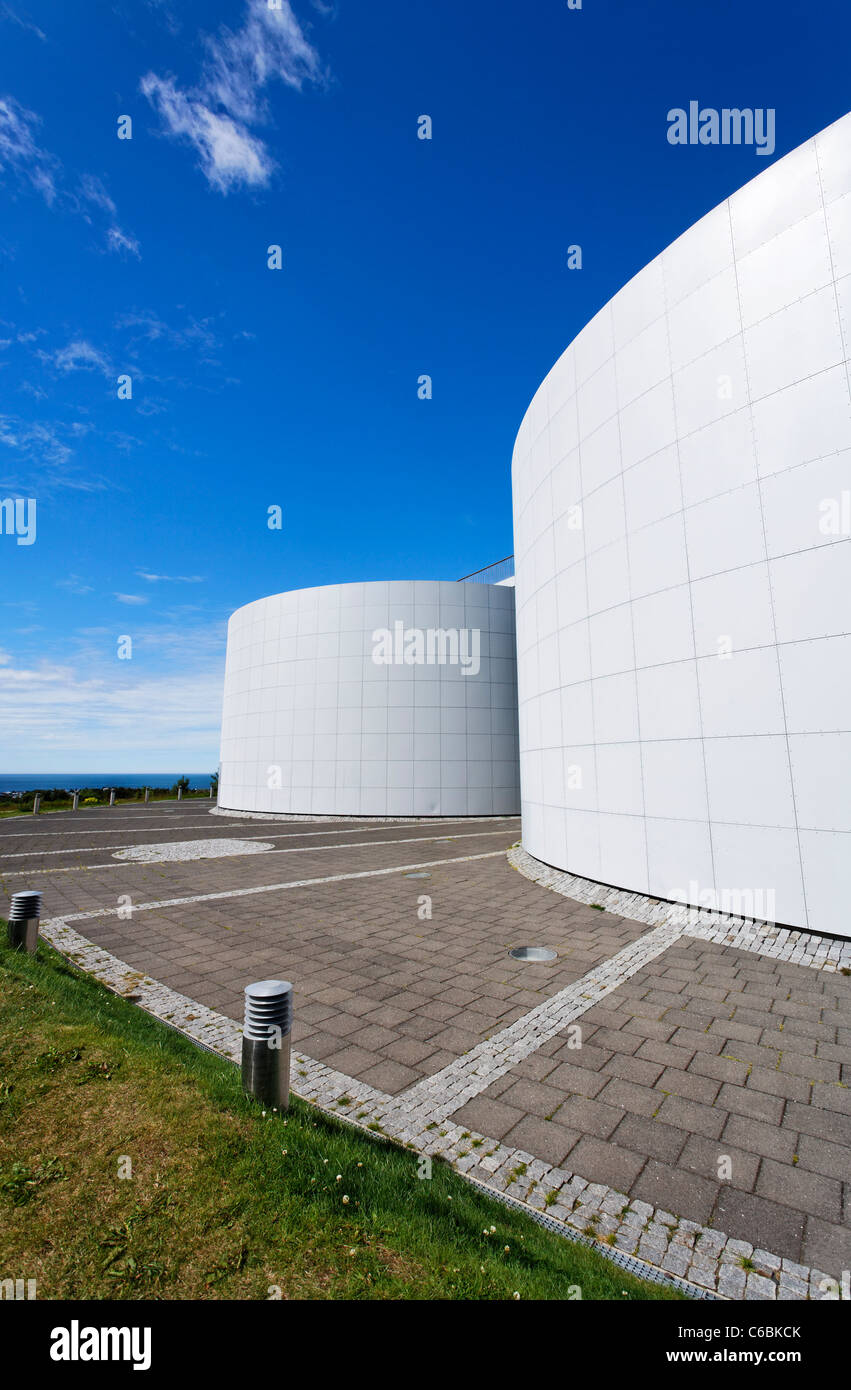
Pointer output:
x,y
491,574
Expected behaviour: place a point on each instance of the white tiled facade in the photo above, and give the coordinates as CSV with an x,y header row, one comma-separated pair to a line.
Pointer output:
x,y
312,725
682,499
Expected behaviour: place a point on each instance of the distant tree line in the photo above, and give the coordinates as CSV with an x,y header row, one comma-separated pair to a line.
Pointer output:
x,y
100,795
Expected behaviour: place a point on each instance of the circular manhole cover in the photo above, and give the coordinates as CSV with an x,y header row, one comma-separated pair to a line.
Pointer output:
x,y
533,953
417,875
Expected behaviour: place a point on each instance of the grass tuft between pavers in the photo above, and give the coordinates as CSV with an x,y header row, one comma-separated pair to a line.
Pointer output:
x,y
225,1202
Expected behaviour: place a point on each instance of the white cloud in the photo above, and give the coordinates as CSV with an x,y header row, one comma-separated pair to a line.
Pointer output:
x,y
20,155
23,159
216,114
79,356
62,715
8,13
131,598
75,584
80,707
171,578
119,241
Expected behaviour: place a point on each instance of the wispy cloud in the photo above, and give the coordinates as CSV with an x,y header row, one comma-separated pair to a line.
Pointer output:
x,y
122,243
131,598
78,356
147,326
20,153
74,584
7,13
217,114
24,161
170,578
45,459
70,712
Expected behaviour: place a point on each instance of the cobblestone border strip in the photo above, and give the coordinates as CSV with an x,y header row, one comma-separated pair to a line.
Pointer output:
x,y
761,938
437,1096
695,1258
367,820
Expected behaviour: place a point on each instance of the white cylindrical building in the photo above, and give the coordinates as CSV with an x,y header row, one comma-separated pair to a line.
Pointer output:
x,y
374,699
682,497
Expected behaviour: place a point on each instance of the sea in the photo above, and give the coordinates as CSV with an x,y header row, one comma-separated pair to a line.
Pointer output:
x,y
70,781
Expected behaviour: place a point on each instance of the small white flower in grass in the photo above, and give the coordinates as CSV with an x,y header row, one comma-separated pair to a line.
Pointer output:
x,y
516,1295
345,1201
493,1230
339,1177
506,1248
353,1252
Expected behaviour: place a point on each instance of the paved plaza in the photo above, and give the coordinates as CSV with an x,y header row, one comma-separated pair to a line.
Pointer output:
x,y
704,1081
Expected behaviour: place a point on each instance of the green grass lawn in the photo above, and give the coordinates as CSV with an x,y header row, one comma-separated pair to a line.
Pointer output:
x,y
47,807
224,1201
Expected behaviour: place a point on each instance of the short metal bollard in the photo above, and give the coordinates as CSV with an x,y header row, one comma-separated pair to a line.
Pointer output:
x,y
267,1041
147,794
24,917
112,798
180,793
76,801
37,804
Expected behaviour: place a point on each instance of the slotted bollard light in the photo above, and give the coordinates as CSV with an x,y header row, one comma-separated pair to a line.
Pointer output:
x,y
24,916
266,1042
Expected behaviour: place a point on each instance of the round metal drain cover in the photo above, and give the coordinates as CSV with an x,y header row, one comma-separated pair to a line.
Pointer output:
x,y
418,875
533,953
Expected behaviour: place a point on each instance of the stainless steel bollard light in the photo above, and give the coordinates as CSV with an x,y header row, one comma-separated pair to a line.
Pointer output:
x,y
24,916
37,804
180,793
76,801
147,794
267,1041
112,798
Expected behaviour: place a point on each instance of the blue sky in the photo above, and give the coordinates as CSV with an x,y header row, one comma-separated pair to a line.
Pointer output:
x,y
298,387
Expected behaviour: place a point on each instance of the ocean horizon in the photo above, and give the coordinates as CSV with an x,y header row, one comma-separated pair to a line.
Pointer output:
x,y
72,781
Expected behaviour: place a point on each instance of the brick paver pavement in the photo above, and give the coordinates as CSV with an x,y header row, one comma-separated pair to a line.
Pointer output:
x,y
705,1055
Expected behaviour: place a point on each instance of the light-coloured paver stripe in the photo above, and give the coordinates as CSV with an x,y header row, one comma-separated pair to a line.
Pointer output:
x,y
301,849
205,824
273,887
439,1095
698,1258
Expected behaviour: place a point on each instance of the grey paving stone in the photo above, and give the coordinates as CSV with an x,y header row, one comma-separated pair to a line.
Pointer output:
x,y
676,1189
754,1137
704,1156
650,1137
607,1162
588,1117
750,1217
692,1116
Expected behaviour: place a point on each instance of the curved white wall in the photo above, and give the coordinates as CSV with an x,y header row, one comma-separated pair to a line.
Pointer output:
x,y
682,495
311,724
